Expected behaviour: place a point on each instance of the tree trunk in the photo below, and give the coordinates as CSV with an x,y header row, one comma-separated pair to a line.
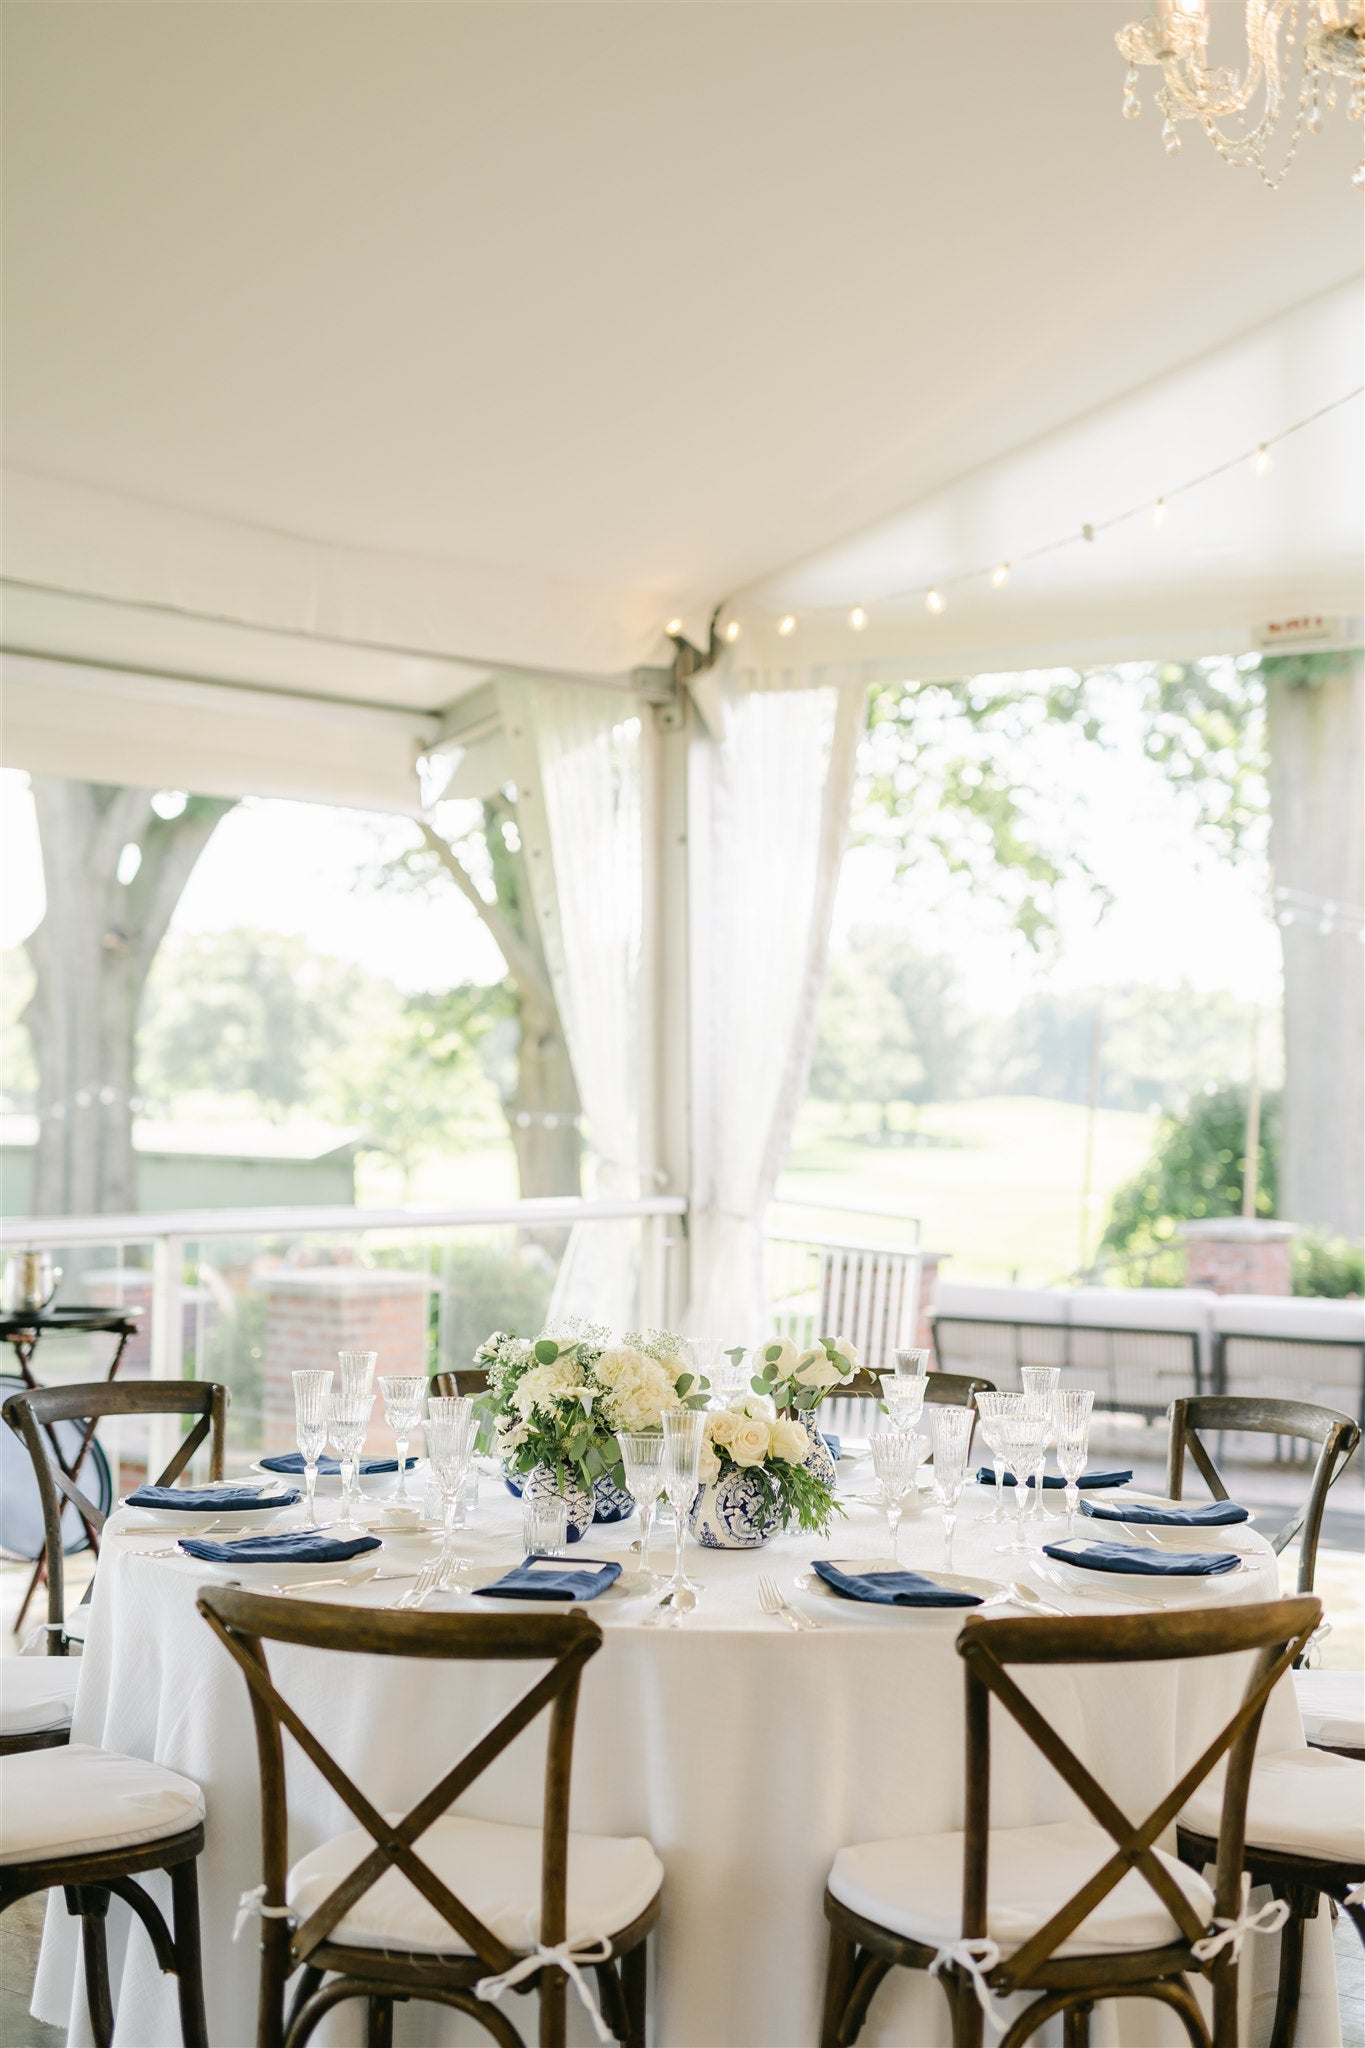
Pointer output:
x,y
1316,713
91,957
543,1114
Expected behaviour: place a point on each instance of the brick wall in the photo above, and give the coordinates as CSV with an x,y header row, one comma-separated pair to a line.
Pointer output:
x,y
1238,1255
314,1312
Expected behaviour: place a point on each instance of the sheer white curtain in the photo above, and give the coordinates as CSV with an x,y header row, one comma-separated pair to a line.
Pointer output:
x,y
768,820
577,763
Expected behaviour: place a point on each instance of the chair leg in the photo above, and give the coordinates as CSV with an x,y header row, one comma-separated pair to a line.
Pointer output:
x,y
838,1983
1076,2027
1291,1967
378,2023
90,1905
635,1992
189,1966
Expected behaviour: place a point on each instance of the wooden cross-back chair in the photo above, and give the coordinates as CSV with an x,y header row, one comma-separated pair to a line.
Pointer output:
x,y
468,1383
1336,1436
863,1950
32,1417
944,1389
326,1944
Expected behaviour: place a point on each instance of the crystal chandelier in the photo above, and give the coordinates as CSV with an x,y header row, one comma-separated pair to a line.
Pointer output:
x,y
1176,38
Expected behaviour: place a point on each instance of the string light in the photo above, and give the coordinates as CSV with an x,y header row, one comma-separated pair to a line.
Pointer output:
x,y
1324,914
673,628
1000,572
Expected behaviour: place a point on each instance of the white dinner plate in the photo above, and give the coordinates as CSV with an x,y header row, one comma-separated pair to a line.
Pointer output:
x,y
190,1518
375,1485
1126,1496
1080,1575
823,1603
488,1575
255,1576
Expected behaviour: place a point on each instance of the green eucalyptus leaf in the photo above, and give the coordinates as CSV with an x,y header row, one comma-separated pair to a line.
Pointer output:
x,y
686,1382
547,1351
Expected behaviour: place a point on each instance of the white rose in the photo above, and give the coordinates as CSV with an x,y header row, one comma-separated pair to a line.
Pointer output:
x,y
790,1442
782,1363
721,1428
751,1441
849,1350
815,1369
753,1406
708,1466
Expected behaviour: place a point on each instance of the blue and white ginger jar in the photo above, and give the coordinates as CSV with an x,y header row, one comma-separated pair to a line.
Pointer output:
x,y
819,1460
606,1503
734,1512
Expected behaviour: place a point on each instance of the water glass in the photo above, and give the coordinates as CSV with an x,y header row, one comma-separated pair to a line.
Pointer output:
x,y
642,1457
707,1359
903,1393
545,1525
1040,1384
952,1433
912,1364
403,1413
355,1369
991,1408
312,1398
1023,1435
349,1419
1071,1408
684,1435
450,1429
896,1455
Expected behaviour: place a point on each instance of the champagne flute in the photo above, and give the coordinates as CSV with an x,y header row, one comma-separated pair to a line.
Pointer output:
x,y
952,1430
895,1462
349,1416
1022,1435
706,1356
1071,1408
642,1455
684,1435
990,1408
1040,1384
312,1396
403,1413
450,1430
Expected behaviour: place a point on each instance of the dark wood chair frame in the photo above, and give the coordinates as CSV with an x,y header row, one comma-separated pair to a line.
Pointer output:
x,y
31,1416
467,1384
89,1883
244,1622
862,1953
1336,1435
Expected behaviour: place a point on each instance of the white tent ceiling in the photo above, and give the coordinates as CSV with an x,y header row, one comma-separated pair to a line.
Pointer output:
x,y
354,351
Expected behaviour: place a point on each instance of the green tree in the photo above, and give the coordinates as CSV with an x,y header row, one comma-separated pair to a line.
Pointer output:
x,y
891,1026
1197,1169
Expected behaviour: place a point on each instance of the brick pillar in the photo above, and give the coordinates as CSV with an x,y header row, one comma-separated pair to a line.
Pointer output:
x,y
315,1311
1238,1254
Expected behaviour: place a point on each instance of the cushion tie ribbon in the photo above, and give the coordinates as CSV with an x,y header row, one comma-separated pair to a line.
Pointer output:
x,y
1268,1919
1355,1897
566,1956
252,1906
974,1958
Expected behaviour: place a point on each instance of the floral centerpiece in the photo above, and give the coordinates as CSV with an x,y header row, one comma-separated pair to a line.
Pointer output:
x,y
557,1401
797,1381
756,1478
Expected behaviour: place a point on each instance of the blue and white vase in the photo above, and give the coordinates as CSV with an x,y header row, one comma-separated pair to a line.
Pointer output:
x,y
545,1481
819,1460
511,1480
734,1512
610,1502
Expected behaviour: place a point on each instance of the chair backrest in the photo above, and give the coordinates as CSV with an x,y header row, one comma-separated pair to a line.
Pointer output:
x,y
1277,1631
245,1622
1335,1434
33,1416
869,1294
471,1381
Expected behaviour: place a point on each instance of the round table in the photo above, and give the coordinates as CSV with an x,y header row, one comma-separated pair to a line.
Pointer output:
x,y
747,1753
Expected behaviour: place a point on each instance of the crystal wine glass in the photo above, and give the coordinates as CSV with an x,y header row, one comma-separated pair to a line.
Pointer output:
x,y
450,1430
1022,1432
312,1396
913,1363
1040,1384
895,1463
990,1408
903,1393
356,1369
952,1432
684,1435
403,1412
642,1455
349,1419
706,1356
1071,1408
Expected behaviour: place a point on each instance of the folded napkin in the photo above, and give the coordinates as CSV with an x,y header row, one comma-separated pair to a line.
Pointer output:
x,y
890,1589
836,1445
549,1578
302,1546
206,1500
1136,1557
1053,1480
1214,1514
292,1462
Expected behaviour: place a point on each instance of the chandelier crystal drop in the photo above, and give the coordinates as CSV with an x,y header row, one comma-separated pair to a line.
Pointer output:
x,y
1241,111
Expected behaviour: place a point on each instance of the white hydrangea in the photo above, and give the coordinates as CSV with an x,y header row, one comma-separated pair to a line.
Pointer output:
x,y
544,1385
637,1389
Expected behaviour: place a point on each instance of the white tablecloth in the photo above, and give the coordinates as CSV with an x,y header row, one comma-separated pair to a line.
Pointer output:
x,y
747,1754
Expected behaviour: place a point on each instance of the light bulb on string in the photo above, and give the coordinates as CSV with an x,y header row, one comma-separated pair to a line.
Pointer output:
x,y
1000,575
732,631
857,618
1261,460
935,601
1159,512
673,628
786,626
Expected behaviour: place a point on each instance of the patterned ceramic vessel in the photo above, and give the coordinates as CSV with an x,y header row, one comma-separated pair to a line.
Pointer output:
x,y
819,1460
544,1480
610,1502
733,1512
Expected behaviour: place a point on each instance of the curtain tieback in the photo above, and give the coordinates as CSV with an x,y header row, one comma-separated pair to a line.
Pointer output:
x,y
252,1906
974,1958
1269,1919
565,1956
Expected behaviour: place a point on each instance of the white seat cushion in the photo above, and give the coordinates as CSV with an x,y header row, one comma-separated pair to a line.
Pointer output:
x,y
493,1869
1305,1801
913,1885
1332,1704
37,1694
77,1800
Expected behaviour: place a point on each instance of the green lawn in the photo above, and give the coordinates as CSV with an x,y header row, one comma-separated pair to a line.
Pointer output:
x,y
998,1187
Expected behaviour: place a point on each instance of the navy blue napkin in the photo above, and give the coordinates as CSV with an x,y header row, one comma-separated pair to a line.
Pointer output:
x,y
1054,1481
1136,1557
544,1578
292,1462
301,1546
204,1500
890,1589
836,1445
1214,1514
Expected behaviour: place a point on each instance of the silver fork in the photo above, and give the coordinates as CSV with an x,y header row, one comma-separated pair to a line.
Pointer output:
x,y
772,1600
424,1586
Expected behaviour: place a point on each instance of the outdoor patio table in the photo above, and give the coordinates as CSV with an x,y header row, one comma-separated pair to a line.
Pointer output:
x,y
747,1753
